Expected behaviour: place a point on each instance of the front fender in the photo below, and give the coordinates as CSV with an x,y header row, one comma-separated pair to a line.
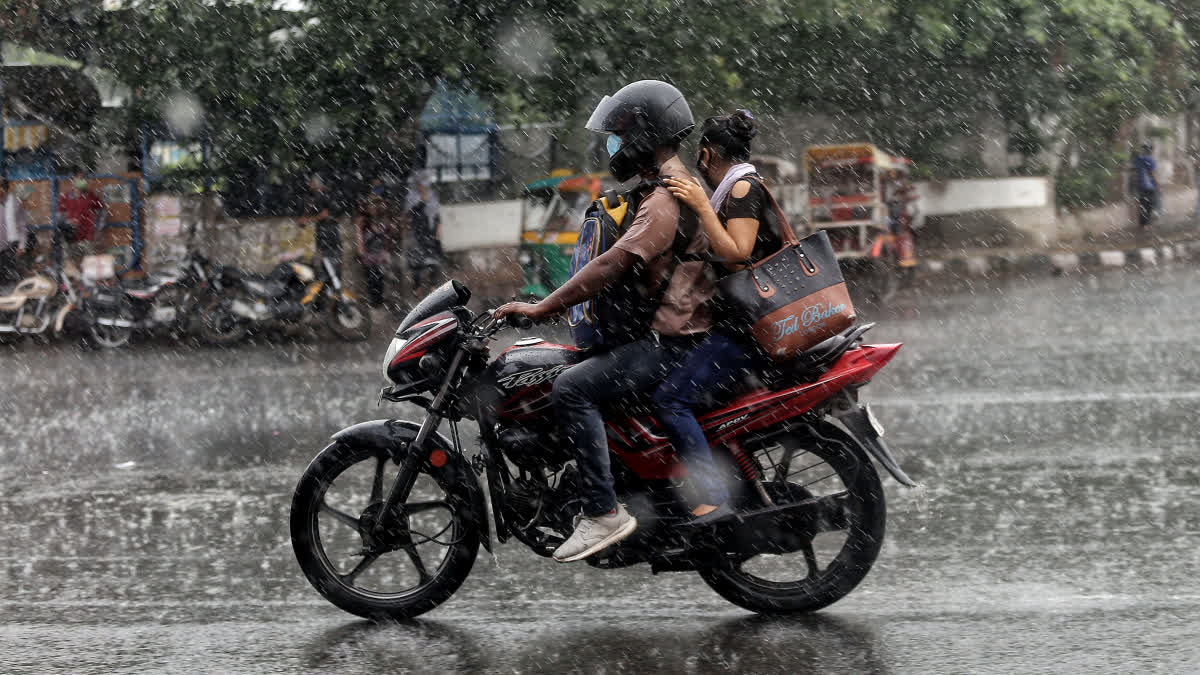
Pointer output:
x,y
396,436
60,319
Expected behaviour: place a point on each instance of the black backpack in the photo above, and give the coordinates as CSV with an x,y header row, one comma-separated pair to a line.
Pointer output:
x,y
623,311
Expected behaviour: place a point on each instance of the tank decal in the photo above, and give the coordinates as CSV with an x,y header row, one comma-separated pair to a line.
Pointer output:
x,y
532,376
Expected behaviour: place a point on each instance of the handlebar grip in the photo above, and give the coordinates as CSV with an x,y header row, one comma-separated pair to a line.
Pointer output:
x,y
519,321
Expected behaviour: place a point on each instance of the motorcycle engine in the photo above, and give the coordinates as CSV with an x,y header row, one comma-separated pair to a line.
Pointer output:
x,y
541,515
290,311
533,448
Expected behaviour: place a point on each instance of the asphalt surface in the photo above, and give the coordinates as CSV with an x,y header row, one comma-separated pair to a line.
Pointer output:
x,y
1051,422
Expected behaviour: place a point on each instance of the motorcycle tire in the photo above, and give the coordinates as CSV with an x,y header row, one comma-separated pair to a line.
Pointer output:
x,y
350,320
856,555
307,542
112,337
218,326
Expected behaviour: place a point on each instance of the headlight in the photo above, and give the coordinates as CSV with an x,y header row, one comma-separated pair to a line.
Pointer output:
x,y
524,258
392,350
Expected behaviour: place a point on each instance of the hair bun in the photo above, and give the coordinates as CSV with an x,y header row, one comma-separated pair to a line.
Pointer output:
x,y
741,124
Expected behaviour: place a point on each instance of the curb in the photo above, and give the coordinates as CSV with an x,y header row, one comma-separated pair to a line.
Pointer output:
x,y
984,264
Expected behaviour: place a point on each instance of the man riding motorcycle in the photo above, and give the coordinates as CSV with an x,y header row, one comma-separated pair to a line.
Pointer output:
x,y
646,121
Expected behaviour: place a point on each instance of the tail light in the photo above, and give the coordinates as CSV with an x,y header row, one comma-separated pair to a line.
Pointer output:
x,y
876,357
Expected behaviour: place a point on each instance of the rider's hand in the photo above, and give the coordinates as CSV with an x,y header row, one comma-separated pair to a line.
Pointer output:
x,y
687,191
535,312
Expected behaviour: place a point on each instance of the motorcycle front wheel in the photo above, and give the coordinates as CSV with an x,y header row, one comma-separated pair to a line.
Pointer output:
x,y
219,326
826,469
414,563
349,320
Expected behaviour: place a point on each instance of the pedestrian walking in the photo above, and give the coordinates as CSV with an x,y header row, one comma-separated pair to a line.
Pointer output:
x,y
321,212
374,232
424,232
1144,167
14,233
84,212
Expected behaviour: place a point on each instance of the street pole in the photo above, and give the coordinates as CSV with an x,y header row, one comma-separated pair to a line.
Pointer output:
x,y
3,115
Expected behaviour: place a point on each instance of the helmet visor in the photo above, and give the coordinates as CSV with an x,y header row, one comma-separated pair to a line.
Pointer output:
x,y
611,116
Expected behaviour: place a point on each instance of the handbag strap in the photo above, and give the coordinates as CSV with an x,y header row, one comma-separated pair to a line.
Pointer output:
x,y
786,233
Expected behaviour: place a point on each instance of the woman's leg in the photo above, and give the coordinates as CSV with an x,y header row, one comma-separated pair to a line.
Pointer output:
x,y
714,361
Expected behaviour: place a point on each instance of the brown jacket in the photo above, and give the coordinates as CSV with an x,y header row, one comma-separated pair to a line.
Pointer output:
x,y
685,304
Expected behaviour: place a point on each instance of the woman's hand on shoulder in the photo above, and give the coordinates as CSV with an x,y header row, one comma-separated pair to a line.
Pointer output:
x,y
688,191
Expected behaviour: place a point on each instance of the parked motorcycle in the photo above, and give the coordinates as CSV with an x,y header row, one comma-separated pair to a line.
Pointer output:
x,y
293,295
166,302
38,305
387,519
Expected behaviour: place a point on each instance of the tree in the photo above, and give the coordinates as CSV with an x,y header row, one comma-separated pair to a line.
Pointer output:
x,y
340,84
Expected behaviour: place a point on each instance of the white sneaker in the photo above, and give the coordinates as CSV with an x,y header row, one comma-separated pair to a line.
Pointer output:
x,y
594,534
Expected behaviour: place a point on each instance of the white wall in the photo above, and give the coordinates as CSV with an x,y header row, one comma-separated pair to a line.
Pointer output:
x,y
984,194
481,225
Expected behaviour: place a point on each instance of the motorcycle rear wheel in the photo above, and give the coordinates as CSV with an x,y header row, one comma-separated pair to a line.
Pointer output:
x,y
349,320
113,337
314,543
219,326
860,504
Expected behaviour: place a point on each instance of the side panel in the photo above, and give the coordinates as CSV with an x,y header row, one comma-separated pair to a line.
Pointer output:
x,y
395,436
644,449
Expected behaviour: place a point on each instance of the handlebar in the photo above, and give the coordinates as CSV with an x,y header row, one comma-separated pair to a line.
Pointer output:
x,y
519,321
488,325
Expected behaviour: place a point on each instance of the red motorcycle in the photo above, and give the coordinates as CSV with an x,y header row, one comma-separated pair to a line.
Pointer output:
x,y
387,520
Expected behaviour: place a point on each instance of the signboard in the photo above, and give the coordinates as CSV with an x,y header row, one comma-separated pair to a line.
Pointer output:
x,y
165,216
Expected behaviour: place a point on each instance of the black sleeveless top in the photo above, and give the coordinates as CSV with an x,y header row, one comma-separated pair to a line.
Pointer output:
x,y
755,204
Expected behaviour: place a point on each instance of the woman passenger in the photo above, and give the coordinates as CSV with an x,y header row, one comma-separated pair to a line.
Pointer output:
x,y
734,218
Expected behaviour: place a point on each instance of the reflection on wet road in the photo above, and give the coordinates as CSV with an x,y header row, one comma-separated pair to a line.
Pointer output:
x,y
1051,423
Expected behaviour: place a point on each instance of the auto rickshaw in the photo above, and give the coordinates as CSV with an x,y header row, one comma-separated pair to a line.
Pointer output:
x,y
551,212
863,198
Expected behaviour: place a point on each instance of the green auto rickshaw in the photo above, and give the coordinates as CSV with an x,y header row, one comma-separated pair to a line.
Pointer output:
x,y
551,212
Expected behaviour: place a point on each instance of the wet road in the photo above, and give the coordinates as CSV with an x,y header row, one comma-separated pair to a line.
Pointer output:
x,y
1051,422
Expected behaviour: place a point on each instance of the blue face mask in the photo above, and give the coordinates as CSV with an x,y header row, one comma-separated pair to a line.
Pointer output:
x,y
614,144
378,189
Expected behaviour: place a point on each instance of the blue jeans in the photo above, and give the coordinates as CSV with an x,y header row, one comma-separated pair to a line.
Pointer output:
x,y
621,374
718,361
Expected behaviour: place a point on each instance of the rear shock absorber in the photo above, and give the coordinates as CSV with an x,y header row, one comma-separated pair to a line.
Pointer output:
x,y
750,471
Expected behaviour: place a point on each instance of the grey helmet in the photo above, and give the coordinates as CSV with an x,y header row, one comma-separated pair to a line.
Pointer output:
x,y
647,115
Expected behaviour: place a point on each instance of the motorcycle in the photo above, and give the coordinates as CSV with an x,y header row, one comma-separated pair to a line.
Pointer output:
x,y
167,301
39,305
387,519
291,296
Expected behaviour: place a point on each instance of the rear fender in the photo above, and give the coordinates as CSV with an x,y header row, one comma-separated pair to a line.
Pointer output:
x,y
396,437
855,419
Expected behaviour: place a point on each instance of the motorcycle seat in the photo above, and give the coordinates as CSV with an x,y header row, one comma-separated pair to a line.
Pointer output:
x,y
806,367
269,288
148,287
823,355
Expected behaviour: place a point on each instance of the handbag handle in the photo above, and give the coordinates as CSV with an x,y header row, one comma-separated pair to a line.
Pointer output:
x,y
788,235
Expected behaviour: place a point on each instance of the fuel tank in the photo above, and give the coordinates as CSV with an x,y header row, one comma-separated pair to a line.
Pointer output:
x,y
517,384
